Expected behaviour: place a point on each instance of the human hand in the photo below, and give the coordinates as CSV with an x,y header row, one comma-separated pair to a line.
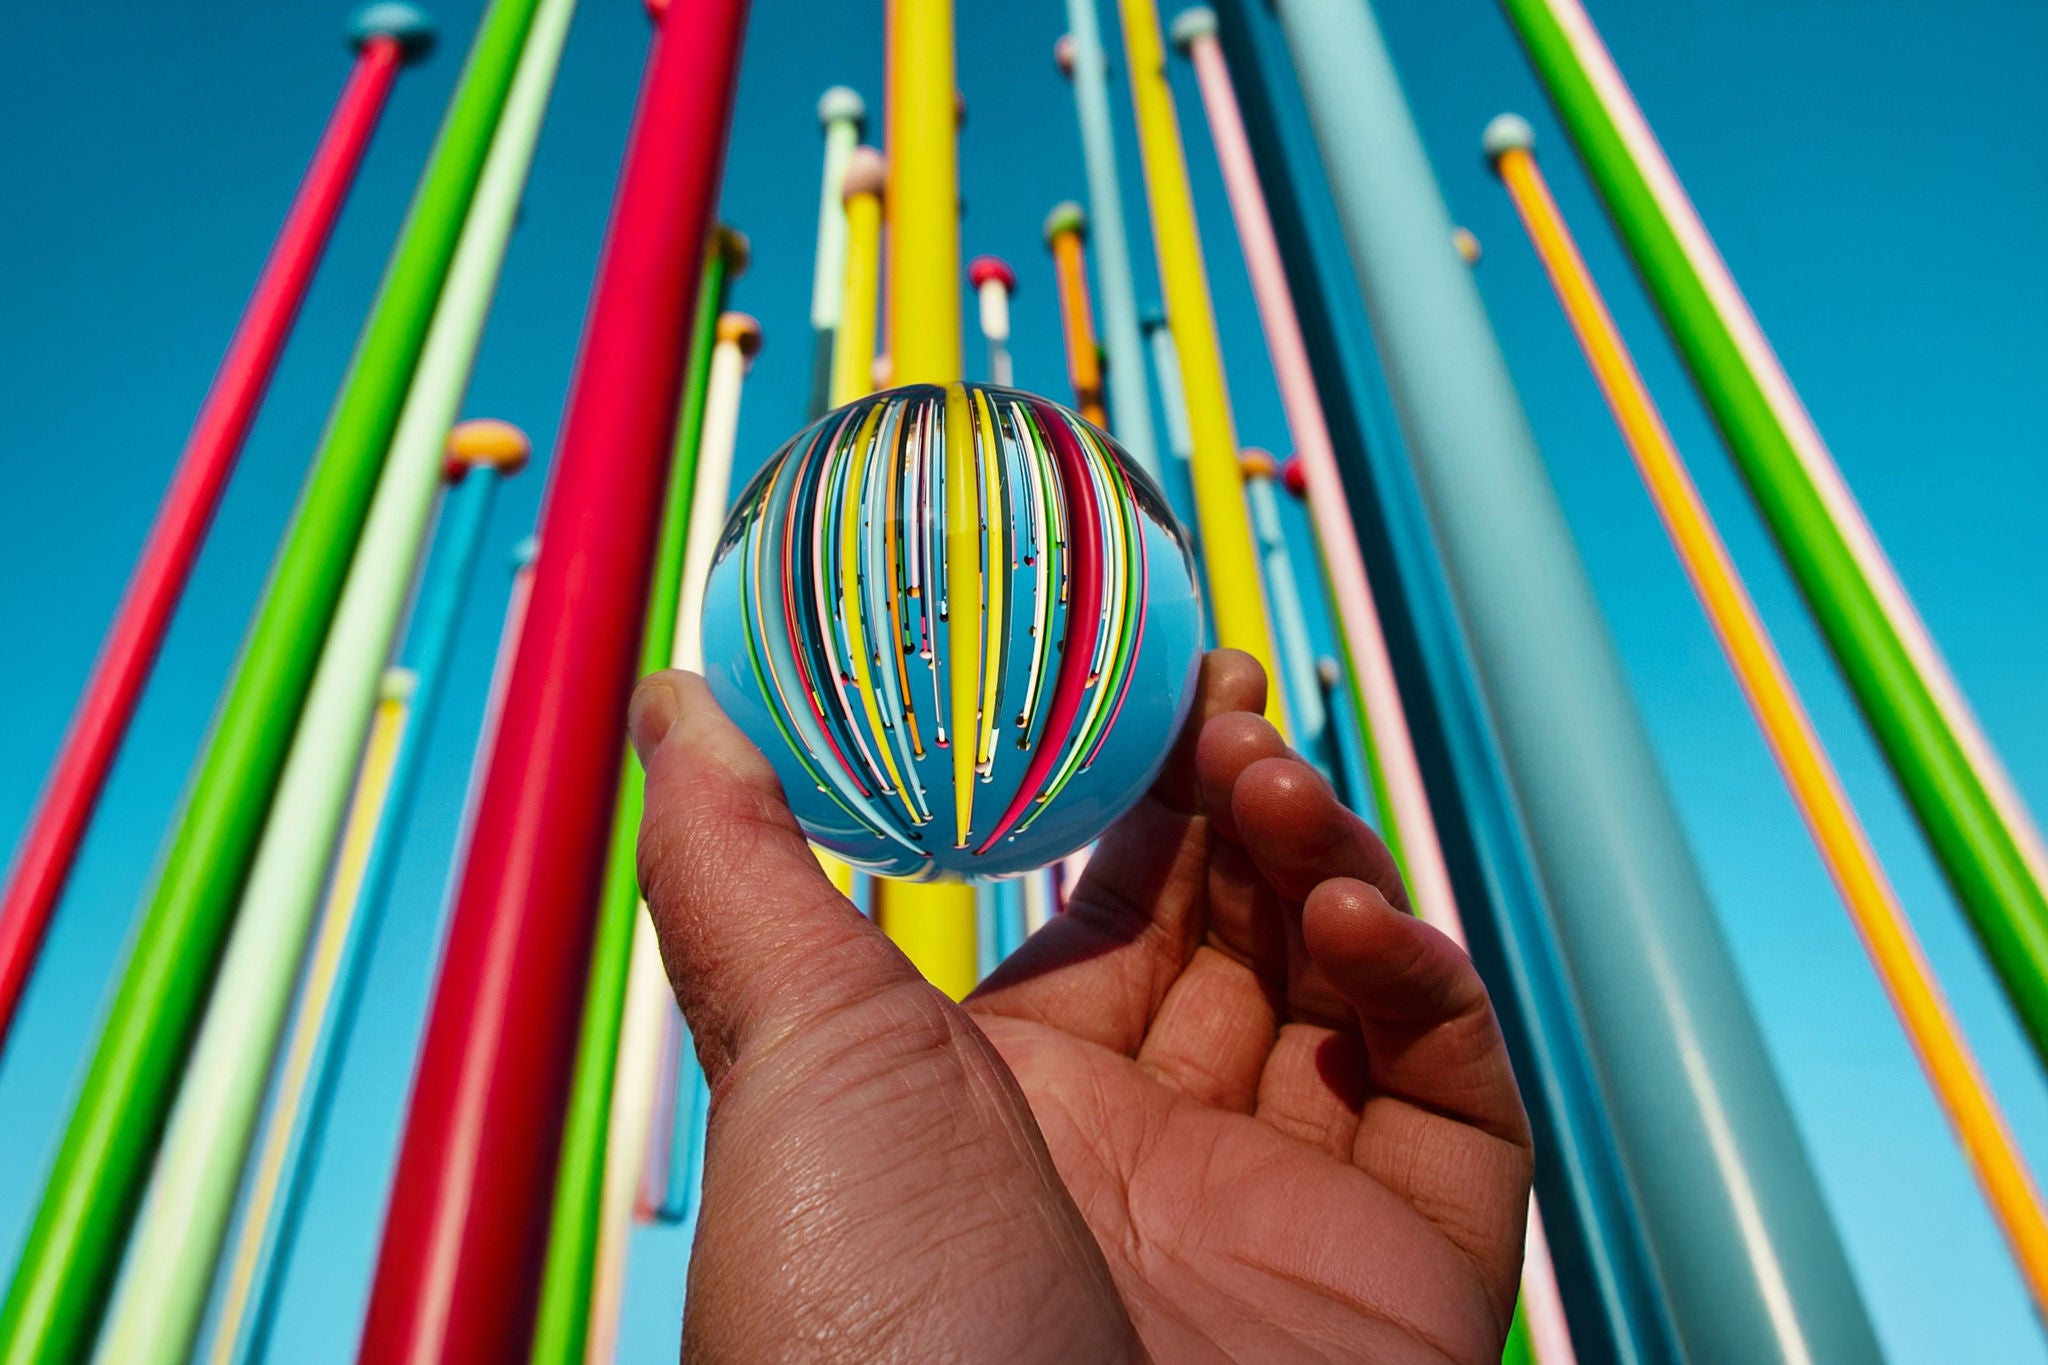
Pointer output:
x,y
1234,1102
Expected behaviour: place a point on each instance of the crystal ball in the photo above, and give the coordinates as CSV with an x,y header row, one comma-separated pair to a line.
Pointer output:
x,y
961,623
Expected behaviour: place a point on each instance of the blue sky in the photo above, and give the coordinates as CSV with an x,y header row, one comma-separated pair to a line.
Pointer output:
x,y
1871,172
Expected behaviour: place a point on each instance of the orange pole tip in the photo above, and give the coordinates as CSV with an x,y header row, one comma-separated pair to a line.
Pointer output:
x,y
486,441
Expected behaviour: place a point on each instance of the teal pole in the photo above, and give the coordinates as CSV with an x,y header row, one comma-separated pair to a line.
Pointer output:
x,y
1974,818
74,1246
1736,1225
1116,291
178,1236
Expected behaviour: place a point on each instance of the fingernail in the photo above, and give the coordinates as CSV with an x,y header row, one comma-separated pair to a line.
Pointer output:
x,y
651,715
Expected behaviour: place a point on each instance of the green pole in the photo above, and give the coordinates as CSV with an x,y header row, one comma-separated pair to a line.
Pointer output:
x,y
1965,803
562,1331
176,1242
74,1246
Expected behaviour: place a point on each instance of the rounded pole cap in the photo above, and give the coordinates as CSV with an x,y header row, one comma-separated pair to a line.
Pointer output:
x,y
1152,317
486,442
1190,26
867,172
737,250
657,10
740,329
881,372
1293,477
1063,54
1329,672
1255,463
842,102
1466,242
407,24
397,684
984,269
1507,133
524,553
1066,216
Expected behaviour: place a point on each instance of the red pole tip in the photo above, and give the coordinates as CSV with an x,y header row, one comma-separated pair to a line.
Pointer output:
x,y
486,441
1063,53
1256,463
866,172
983,269
1292,478
742,329
657,10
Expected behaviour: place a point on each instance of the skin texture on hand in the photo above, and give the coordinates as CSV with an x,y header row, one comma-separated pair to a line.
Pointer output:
x,y
1234,1103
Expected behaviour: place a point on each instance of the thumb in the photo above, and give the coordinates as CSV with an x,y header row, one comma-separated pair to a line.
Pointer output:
x,y
757,941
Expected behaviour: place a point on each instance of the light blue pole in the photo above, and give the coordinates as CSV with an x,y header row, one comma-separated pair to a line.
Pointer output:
x,y
1116,294
465,510
1750,1260
1343,745
1290,624
1175,478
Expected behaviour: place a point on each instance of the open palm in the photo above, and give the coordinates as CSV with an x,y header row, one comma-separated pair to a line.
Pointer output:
x,y
1234,1103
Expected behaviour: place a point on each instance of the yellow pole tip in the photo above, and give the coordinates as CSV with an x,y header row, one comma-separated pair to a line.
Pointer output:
x,y
486,441
742,330
842,104
1467,244
1065,217
1063,54
1255,463
1507,133
1191,26
737,250
867,172
992,269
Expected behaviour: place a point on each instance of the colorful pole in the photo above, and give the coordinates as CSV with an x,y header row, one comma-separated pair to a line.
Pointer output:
x,y
74,1247
1751,1262
842,113
853,349
463,1238
1844,846
561,1332
162,1297
934,923
1616,1307
1080,56
1980,828
480,453
994,282
1065,228
385,36
649,998
1233,577
1283,591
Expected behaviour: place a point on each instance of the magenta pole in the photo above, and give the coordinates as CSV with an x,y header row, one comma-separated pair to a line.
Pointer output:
x,y
385,35
464,1238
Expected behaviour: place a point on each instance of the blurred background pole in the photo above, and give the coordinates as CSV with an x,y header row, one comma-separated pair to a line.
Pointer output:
x,y
853,344
841,112
1980,829
994,282
1845,848
480,453
561,1331
1081,57
74,1247
1749,1256
1236,602
464,1233
1283,590
385,35
1066,227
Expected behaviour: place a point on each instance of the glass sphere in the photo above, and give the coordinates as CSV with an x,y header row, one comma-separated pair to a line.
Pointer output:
x,y
962,625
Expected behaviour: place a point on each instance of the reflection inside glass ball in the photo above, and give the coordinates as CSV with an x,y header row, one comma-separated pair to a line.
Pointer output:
x,y
962,625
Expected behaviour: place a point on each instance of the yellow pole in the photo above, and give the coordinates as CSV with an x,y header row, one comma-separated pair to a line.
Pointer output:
x,y
853,345
1233,565
925,344
1872,904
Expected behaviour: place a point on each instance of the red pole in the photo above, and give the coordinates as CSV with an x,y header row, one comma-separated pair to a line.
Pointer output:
x,y
464,1237
97,728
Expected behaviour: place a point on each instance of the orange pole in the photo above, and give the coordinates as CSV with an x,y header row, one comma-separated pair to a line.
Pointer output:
x,y
1065,227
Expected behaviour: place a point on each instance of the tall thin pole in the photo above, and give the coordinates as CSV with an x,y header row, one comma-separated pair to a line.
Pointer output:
x,y
1844,846
1752,1263
1066,227
480,453
464,1234
649,998
841,112
385,36
1233,578
934,923
994,282
1982,834
562,1329
1284,592
74,1245
853,349
1081,57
